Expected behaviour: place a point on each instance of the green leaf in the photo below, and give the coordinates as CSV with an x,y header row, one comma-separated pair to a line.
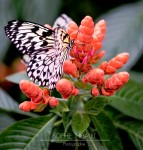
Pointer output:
x,y
66,117
129,100
94,144
107,131
29,134
40,107
9,105
134,129
62,107
17,77
59,136
80,122
124,32
81,85
94,106
5,120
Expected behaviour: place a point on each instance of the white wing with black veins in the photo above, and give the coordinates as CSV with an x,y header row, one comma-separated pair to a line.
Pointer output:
x,y
44,50
29,37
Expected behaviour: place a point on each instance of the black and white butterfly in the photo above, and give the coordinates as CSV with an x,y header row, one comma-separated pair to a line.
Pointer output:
x,y
45,49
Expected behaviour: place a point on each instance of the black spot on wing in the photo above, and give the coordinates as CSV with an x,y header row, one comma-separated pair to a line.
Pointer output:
x,y
35,29
45,43
45,34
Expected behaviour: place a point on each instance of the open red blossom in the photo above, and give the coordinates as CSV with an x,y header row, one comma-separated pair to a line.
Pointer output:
x,y
95,76
66,88
115,63
115,82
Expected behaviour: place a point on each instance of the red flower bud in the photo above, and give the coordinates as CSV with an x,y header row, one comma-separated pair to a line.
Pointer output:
x,y
115,63
66,88
95,76
70,68
72,29
107,92
114,83
46,96
95,92
25,106
53,102
31,90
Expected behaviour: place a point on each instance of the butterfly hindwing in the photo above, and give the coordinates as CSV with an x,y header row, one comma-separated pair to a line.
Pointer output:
x,y
62,21
29,37
41,67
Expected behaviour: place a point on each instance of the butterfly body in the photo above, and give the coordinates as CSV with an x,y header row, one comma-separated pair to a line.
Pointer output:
x,y
46,49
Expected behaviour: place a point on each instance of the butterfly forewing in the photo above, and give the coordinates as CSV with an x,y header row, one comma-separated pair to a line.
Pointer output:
x,y
29,37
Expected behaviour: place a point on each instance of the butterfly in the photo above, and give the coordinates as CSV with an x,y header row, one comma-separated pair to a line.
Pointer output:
x,y
43,49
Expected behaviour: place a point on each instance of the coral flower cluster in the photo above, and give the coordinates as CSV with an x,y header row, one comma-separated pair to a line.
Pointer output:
x,y
38,98
85,52
87,42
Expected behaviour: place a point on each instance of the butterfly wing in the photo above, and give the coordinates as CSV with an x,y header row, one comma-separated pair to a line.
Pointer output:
x,y
62,45
41,66
46,67
45,49
62,21
29,37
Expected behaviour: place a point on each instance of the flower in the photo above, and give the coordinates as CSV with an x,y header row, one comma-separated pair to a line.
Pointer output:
x,y
94,76
114,83
70,68
38,97
115,63
87,41
25,106
66,88
95,91
31,90
53,102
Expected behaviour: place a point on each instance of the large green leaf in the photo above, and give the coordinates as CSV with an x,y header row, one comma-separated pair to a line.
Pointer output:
x,y
5,120
17,77
62,107
9,105
80,122
135,131
67,119
129,100
107,131
59,136
94,106
124,32
94,144
29,134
